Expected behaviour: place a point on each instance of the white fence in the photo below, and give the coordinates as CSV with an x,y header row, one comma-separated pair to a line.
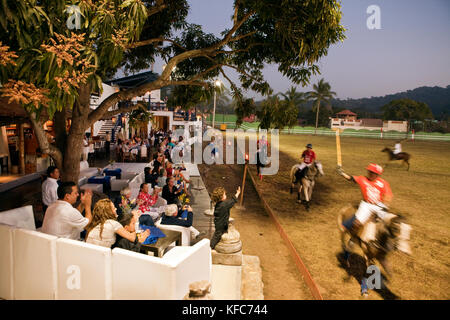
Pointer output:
x,y
374,134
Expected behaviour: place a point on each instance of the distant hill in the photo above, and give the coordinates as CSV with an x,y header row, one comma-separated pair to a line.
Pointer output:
x,y
437,98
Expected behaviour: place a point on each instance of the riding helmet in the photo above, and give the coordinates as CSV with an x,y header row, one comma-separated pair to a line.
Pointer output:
x,y
375,168
309,145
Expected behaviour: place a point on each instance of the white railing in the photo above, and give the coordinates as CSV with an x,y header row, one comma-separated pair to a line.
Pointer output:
x,y
375,134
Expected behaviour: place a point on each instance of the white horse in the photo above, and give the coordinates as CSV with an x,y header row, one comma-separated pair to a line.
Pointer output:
x,y
305,182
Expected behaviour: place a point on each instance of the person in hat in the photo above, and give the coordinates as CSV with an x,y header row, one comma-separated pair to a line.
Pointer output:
x,y
376,193
308,157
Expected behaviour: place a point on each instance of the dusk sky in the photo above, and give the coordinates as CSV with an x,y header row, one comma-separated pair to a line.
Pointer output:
x,y
411,49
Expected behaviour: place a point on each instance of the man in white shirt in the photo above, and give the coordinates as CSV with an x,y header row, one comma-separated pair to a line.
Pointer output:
x,y
398,147
62,219
50,187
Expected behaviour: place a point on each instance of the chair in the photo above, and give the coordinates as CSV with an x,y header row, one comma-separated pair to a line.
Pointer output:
x,y
126,156
144,154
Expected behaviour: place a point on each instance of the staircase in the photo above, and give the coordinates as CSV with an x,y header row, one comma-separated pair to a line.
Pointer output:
x,y
108,126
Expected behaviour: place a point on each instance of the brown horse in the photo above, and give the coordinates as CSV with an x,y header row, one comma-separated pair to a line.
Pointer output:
x,y
399,156
388,235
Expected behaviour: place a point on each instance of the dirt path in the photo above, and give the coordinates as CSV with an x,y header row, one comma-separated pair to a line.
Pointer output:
x,y
282,281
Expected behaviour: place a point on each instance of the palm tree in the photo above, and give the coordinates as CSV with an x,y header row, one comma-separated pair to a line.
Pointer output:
x,y
321,93
294,97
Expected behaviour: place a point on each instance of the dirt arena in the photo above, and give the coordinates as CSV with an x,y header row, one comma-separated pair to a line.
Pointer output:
x,y
421,194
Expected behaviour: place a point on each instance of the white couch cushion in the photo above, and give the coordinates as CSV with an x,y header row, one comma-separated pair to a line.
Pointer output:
x,y
22,217
84,270
186,234
34,265
6,262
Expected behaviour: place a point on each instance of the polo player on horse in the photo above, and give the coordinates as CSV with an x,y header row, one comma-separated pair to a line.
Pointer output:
x,y
376,194
308,158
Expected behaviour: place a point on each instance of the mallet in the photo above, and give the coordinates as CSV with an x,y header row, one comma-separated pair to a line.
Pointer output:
x,y
338,148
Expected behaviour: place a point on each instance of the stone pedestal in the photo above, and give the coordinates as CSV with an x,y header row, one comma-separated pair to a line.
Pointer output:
x,y
229,249
200,290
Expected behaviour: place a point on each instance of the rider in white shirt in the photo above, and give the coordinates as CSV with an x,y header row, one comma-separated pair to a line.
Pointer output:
x,y
397,147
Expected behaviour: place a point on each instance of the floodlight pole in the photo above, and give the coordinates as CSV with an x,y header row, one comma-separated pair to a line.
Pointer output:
x,y
214,111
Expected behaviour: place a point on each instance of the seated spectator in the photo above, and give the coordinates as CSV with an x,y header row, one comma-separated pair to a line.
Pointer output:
x,y
50,187
150,177
104,226
183,217
62,219
123,203
180,180
162,178
128,221
169,169
171,192
147,201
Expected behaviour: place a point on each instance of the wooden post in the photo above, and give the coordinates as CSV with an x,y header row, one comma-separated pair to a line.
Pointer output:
x,y
338,149
21,149
243,183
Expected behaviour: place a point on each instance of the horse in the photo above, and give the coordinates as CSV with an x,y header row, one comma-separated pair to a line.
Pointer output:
x,y
376,238
306,182
399,156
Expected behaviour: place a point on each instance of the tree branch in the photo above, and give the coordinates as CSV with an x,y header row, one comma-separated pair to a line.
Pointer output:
x,y
45,146
160,5
151,41
163,80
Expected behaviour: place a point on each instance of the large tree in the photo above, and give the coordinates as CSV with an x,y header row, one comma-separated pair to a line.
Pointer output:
x,y
321,93
406,109
277,114
50,69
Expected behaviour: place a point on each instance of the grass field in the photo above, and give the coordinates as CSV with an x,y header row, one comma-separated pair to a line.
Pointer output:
x,y
421,194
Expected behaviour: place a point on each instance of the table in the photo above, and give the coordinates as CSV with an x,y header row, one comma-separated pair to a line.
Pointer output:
x,y
104,180
159,246
113,172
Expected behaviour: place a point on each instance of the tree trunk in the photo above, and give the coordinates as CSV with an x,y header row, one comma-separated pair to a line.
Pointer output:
x,y
59,124
21,150
317,116
46,147
72,154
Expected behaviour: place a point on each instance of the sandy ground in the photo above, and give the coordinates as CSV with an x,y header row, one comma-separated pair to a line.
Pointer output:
x,y
421,194
281,278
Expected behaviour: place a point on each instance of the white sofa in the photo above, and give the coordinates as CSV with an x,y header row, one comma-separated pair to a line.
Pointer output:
x,y
34,265
125,179
85,172
22,217
160,278
6,262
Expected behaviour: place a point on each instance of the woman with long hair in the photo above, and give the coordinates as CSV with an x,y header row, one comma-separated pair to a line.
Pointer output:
x,y
104,226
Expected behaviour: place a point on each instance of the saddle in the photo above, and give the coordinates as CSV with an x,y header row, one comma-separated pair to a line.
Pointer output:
x,y
299,174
